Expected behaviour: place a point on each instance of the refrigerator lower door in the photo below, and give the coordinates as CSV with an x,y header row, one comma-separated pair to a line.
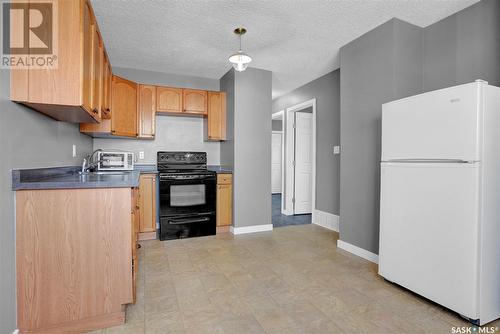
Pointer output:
x,y
429,218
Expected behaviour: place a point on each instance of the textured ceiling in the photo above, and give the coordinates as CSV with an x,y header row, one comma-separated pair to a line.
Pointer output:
x,y
297,40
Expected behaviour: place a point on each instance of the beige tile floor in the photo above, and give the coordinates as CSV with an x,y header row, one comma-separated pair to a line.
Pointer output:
x,y
291,280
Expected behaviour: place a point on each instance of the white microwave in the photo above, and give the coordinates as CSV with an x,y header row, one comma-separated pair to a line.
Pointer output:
x,y
115,160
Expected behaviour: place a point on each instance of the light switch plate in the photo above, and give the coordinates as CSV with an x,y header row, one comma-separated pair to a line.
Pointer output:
x,y
141,155
336,150
74,151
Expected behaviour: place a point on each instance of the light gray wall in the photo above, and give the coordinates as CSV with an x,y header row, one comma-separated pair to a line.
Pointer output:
x,y
326,90
277,125
463,47
173,133
227,146
382,65
252,146
389,63
27,139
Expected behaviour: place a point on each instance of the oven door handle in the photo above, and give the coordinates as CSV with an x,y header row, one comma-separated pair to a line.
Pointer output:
x,y
174,178
188,220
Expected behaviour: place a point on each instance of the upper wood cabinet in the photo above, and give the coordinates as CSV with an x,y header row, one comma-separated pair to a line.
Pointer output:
x,y
97,66
64,92
168,100
124,106
215,122
146,108
106,89
123,121
194,101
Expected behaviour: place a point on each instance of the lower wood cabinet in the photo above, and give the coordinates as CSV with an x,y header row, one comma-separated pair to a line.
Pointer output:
x,y
224,202
75,261
147,207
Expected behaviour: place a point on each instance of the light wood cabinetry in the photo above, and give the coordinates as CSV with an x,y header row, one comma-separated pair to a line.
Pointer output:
x,y
135,214
146,108
97,66
147,207
123,122
63,92
124,105
106,89
194,101
169,100
74,263
224,202
215,122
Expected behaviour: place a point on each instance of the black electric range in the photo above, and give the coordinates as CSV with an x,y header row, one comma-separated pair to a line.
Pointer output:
x,y
187,195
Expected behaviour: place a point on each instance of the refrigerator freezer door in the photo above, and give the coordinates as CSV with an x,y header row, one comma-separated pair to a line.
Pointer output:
x,y
429,231
443,124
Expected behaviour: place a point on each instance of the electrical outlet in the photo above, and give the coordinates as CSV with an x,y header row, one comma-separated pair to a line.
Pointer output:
x,y
336,150
141,155
74,151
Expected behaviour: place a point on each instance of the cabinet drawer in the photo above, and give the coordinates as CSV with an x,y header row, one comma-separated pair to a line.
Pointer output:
x,y
224,178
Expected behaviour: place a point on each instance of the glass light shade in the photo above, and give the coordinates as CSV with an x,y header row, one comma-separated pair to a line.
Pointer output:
x,y
240,61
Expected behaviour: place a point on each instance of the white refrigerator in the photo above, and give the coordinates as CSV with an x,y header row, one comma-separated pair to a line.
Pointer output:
x,y
440,198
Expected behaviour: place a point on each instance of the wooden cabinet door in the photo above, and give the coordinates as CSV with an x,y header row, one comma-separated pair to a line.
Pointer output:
x,y
97,55
215,127
106,89
224,204
168,100
146,105
147,203
88,33
194,101
124,106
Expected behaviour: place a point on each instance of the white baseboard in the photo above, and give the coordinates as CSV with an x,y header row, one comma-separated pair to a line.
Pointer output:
x,y
251,229
326,220
372,257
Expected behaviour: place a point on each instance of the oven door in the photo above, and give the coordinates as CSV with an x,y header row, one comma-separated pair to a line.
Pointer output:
x,y
187,194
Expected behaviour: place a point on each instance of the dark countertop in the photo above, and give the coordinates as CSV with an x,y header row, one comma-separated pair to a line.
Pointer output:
x,y
68,178
220,169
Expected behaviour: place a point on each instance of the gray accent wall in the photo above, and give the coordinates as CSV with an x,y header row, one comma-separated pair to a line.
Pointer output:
x,y
173,133
392,61
248,149
227,147
28,139
382,65
463,47
326,90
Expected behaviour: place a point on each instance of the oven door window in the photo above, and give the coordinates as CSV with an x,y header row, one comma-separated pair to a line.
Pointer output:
x,y
187,195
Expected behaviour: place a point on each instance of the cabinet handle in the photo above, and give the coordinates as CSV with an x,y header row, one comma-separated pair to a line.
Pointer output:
x,y
95,111
138,245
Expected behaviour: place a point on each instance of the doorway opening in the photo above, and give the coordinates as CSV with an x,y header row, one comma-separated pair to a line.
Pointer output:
x,y
293,164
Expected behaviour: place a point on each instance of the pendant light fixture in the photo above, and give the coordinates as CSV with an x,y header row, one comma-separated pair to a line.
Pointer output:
x,y
240,59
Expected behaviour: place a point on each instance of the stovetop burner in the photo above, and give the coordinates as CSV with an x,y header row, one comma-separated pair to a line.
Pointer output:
x,y
182,162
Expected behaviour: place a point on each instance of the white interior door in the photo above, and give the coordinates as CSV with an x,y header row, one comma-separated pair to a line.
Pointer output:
x,y
429,218
276,162
303,162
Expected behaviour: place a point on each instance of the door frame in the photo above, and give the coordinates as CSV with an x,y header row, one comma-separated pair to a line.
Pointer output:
x,y
288,181
282,155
